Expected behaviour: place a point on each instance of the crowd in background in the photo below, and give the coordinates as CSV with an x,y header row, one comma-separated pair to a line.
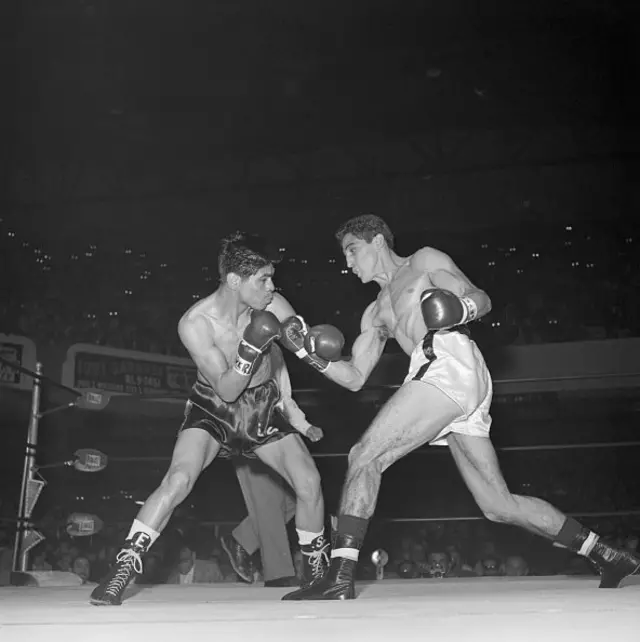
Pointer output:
x,y
547,284
432,549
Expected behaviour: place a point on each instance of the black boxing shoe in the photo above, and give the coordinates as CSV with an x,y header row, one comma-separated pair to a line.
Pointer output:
x,y
614,564
128,565
315,564
239,558
315,560
338,583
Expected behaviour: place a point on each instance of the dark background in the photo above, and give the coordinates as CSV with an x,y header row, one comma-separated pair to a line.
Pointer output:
x,y
148,120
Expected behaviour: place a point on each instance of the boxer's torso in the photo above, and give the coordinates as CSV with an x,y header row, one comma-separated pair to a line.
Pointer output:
x,y
397,307
226,336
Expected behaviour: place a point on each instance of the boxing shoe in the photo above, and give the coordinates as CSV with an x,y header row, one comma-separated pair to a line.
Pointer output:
x,y
315,564
614,564
238,557
128,565
338,583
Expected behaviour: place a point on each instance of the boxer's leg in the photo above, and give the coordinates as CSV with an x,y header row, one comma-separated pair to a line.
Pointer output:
x,y
478,464
290,458
413,416
195,449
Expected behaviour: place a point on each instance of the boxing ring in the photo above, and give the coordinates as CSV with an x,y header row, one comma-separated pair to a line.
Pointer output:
x,y
489,608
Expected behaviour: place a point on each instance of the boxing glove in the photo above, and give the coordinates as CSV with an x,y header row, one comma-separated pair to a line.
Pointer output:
x,y
442,309
263,328
326,341
295,337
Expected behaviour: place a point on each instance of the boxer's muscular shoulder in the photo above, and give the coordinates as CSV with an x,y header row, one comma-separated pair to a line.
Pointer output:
x,y
428,259
199,323
194,329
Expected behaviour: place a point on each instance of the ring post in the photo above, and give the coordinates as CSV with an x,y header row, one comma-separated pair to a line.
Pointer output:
x,y
31,487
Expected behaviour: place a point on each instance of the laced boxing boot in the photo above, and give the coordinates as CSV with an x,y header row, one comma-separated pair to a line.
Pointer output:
x,y
128,564
339,582
315,564
614,564
238,557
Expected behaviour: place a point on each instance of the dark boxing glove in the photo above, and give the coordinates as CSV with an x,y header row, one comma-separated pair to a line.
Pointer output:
x,y
263,328
442,309
317,346
326,341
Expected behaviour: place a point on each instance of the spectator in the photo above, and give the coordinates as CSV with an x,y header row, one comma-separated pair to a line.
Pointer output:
x,y
191,570
82,568
515,566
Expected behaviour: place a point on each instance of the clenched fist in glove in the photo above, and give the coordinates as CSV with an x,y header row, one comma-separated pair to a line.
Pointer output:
x,y
263,328
442,309
317,346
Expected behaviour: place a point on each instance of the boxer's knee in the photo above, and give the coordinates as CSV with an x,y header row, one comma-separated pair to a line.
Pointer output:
x,y
362,458
178,483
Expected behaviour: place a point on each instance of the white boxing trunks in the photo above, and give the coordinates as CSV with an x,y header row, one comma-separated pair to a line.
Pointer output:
x,y
452,362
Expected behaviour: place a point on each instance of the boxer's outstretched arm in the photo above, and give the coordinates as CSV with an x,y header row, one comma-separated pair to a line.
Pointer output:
x,y
365,354
446,275
228,383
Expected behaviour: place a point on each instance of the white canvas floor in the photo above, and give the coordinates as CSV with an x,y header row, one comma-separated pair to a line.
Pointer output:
x,y
478,609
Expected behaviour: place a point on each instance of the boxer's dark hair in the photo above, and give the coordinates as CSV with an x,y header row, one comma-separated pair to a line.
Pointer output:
x,y
244,254
366,227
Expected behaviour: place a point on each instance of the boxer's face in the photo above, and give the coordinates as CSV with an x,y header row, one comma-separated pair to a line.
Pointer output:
x,y
257,290
361,257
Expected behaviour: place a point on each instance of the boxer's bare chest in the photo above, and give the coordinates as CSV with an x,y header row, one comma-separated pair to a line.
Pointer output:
x,y
398,306
226,337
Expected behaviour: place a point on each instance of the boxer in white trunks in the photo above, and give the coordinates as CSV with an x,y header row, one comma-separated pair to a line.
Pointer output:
x,y
426,304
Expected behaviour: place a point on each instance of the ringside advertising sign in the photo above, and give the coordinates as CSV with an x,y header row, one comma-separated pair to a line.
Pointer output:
x,y
127,372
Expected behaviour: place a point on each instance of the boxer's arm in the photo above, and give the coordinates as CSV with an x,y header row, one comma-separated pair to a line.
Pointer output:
x,y
365,354
281,307
446,275
294,414
228,383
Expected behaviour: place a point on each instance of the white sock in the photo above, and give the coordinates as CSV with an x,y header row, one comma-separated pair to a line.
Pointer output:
x,y
588,544
306,537
139,527
347,553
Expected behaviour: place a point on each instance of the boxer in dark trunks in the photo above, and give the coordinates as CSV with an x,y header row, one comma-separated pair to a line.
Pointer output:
x,y
236,407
